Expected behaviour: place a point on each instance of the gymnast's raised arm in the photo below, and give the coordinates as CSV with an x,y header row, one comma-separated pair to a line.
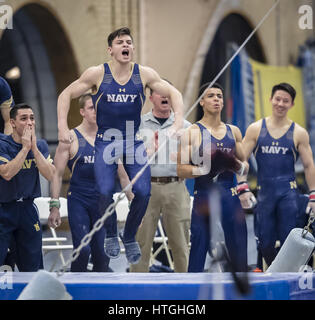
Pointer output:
x,y
88,81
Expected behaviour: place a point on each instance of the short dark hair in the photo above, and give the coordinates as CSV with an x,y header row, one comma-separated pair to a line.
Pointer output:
x,y
284,87
117,33
83,99
205,86
14,110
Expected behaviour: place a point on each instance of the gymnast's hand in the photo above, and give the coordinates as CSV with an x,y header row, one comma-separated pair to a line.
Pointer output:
x,y
176,130
54,220
27,138
248,200
34,139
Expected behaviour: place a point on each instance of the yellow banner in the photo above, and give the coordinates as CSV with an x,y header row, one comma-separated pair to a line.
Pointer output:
x,y
265,77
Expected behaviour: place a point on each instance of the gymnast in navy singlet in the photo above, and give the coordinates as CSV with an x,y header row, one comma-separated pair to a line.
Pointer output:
x,y
118,89
211,139
118,119
83,208
278,204
82,196
232,214
276,141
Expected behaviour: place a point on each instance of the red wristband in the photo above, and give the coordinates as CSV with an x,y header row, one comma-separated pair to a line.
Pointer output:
x,y
243,187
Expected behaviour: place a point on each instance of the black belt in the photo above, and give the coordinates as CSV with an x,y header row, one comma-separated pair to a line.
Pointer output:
x,y
164,179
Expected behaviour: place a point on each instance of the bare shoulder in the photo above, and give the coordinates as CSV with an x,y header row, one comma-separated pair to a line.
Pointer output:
x,y
188,132
146,69
235,130
93,72
148,74
256,125
298,128
254,128
194,134
193,127
300,133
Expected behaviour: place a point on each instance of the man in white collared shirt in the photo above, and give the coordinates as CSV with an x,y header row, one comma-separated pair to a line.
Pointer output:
x,y
169,196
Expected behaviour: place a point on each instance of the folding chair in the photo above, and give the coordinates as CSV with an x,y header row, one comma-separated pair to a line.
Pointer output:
x,y
162,239
54,242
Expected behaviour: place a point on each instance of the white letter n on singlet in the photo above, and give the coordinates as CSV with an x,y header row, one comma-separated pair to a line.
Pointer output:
x,y
111,97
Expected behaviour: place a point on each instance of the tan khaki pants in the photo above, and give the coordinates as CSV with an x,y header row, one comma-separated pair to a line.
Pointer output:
x,y
172,201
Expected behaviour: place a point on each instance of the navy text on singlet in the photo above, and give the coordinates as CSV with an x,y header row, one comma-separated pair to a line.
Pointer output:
x,y
278,154
119,105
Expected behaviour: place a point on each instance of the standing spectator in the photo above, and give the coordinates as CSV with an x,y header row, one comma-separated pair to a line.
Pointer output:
x,y
169,196
22,158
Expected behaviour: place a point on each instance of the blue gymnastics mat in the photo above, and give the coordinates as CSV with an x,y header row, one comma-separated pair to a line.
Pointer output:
x,y
173,286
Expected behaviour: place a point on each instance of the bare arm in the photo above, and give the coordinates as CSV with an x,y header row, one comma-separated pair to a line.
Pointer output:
x,y
250,139
12,168
162,87
61,158
189,144
246,147
249,142
124,181
239,150
306,154
88,80
5,112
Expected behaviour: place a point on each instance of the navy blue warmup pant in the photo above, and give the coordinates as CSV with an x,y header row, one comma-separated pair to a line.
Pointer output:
x,y
233,224
276,215
134,158
19,219
83,212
